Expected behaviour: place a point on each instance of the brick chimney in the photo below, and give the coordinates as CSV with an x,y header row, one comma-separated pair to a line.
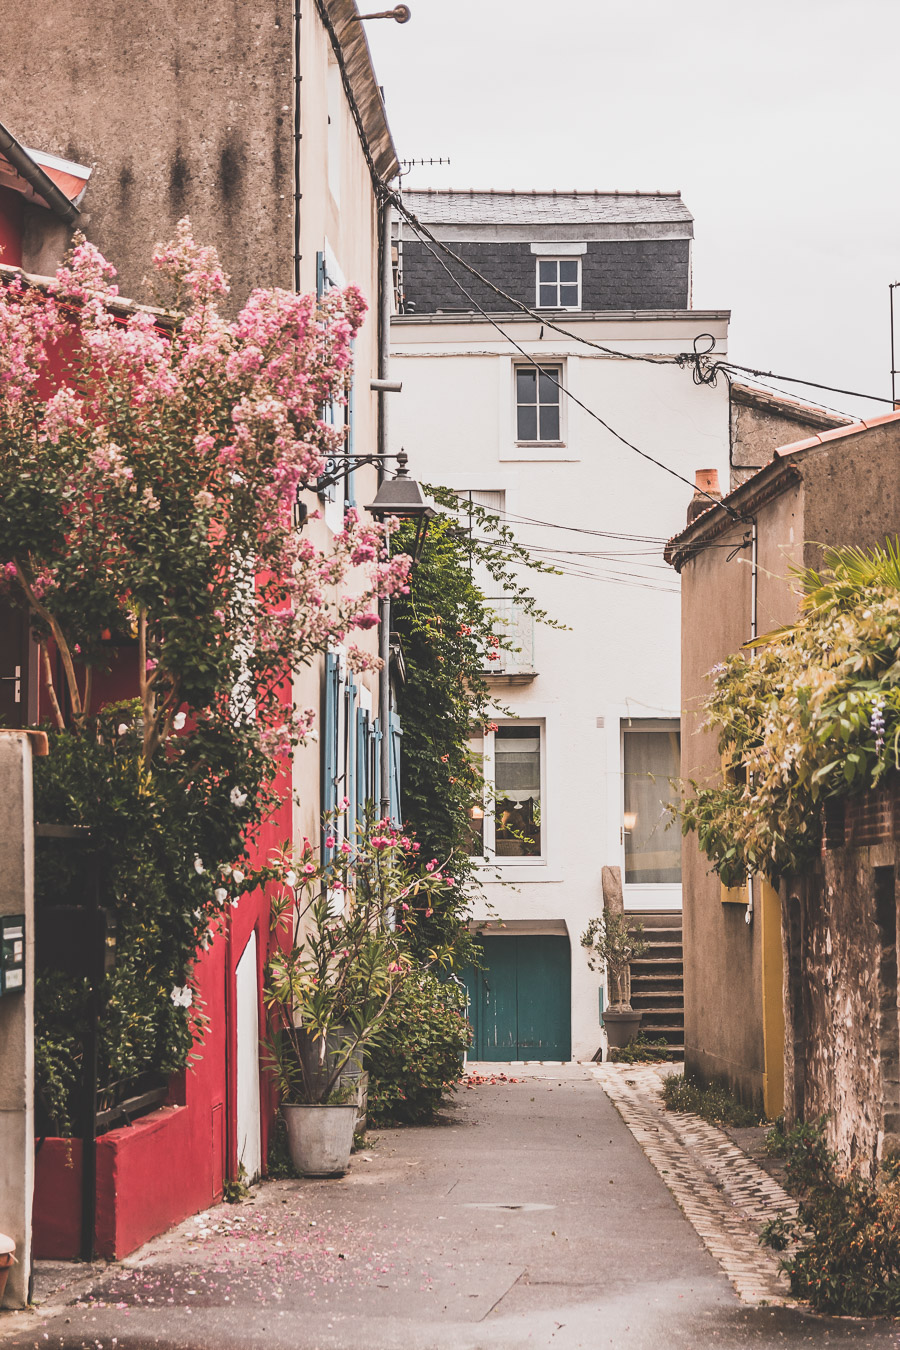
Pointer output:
x,y
706,485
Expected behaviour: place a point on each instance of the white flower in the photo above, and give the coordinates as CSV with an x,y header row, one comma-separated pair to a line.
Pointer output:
x,y
237,797
123,728
236,479
198,866
235,903
182,997
221,894
238,876
179,720
291,879
198,913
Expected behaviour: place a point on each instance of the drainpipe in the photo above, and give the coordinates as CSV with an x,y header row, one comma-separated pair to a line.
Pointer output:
x,y
297,137
33,174
754,625
386,283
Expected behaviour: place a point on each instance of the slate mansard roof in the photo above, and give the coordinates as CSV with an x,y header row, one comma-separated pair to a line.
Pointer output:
x,y
436,206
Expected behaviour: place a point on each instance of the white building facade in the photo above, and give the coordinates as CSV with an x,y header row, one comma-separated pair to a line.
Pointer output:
x,y
580,773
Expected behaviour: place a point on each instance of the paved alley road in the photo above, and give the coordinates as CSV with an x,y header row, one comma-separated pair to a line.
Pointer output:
x,y
534,1220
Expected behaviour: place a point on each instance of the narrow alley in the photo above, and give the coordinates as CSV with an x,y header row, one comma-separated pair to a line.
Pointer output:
x,y
531,1218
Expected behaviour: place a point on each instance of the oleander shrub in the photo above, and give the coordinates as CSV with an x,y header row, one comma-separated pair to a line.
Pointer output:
x,y
418,1056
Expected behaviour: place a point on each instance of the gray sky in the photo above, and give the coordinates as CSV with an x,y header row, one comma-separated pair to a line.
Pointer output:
x,y
778,122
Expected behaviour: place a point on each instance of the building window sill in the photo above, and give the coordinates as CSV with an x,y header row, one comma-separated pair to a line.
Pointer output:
x,y
534,445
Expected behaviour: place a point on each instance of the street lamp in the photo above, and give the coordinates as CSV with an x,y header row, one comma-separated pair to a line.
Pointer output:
x,y
403,497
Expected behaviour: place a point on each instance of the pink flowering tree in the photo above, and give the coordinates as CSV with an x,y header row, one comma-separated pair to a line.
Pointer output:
x,y
148,468
149,463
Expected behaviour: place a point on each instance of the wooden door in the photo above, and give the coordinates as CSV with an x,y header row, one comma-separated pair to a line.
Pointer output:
x,y
13,666
520,1000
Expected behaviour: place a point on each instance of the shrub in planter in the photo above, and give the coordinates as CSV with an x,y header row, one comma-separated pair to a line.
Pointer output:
x,y
419,1055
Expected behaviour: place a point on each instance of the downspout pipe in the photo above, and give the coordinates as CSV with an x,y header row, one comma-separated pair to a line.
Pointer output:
x,y
754,630
384,350
42,183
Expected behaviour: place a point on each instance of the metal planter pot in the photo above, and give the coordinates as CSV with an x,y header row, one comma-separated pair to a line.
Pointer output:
x,y
320,1138
621,1027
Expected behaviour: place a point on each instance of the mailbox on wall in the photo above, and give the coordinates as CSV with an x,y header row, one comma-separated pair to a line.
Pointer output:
x,y
12,953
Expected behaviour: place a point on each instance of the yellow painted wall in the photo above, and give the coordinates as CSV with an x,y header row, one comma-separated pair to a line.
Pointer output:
x,y
768,916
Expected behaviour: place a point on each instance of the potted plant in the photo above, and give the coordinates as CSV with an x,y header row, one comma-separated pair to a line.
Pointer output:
x,y
340,957
610,943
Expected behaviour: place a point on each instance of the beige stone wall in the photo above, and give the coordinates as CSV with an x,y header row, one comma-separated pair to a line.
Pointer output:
x,y
182,108
724,1032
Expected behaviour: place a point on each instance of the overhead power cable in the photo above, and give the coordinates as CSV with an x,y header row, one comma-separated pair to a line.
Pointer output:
x,y
572,397
681,359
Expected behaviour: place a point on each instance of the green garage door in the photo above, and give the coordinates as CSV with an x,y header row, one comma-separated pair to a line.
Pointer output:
x,y
520,1001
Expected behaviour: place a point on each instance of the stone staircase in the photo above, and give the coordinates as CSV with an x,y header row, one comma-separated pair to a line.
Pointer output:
x,y
657,979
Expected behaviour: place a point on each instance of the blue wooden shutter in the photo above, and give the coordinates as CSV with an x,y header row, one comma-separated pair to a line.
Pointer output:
x,y
394,751
363,744
330,746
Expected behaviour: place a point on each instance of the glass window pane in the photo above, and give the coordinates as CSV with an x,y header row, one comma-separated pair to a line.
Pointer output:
x,y
526,384
476,810
548,297
652,852
548,385
568,295
526,422
568,271
547,271
550,422
517,792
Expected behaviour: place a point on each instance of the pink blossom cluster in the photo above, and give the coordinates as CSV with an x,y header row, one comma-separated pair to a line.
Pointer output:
x,y
133,440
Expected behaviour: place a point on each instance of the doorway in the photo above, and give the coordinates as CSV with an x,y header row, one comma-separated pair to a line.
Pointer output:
x,y
520,999
249,1152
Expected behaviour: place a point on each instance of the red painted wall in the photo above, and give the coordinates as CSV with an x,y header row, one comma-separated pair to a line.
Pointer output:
x,y
11,217
173,1162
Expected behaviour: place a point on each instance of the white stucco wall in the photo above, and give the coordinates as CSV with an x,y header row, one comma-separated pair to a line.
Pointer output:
x,y
338,217
620,658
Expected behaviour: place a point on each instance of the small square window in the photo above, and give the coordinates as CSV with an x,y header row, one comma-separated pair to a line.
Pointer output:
x,y
559,283
538,403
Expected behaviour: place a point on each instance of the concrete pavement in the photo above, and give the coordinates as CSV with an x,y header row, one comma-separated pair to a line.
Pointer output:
x,y
533,1219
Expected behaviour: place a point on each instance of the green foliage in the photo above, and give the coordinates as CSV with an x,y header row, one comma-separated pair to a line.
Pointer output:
x,y
610,942
640,1050
147,828
847,1254
344,926
449,633
420,1055
278,1161
777,1234
808,713
713,1102
235,1190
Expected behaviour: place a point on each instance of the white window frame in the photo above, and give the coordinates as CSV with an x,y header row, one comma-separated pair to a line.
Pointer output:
x,y
551,258
551,366
490,858
643,895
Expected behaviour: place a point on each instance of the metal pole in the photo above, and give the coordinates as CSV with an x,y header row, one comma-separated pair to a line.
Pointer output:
x,y
891,288
384,357
89,1076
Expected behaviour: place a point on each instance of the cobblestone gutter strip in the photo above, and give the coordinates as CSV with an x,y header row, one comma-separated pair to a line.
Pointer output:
x,y
724,1195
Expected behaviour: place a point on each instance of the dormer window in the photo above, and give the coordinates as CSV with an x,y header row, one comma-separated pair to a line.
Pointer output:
x,y
559,283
